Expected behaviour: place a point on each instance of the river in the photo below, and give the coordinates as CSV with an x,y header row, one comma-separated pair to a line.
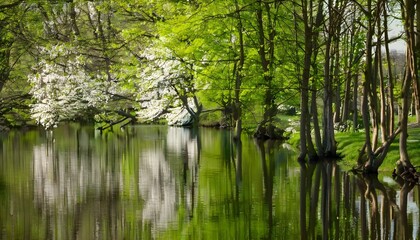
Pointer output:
x,y
159,182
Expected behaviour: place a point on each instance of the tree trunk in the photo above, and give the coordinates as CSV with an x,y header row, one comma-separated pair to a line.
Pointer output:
x,y
404,163
266,53
328,121
367,90
348,76
355,102
382,95
335,69
314,113
417,62
306,144
237,111
390,87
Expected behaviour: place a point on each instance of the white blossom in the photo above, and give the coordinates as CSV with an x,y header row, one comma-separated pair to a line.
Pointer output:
x,y
159,75
63,89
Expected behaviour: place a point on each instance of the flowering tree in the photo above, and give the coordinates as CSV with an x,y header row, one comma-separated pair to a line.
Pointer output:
x,y
168,89
62,88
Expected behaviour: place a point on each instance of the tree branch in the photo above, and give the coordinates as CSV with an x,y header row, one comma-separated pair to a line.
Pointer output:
x,y
10,5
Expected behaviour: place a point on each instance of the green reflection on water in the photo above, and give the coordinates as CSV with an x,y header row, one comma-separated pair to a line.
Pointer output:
x,y
158,182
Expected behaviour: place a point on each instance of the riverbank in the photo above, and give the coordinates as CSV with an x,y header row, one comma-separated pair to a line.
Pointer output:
x,y
349,145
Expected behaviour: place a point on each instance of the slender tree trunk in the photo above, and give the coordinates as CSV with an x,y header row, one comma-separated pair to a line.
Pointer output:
x,y
314,106
390,85
314,113
304,96
417,61
355,102
306,143
404,163
335,69
237,112
382,95
416,83
328,121
367,91
348,66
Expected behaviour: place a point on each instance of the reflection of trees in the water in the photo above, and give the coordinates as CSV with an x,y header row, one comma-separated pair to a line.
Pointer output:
x,y
72,188
340,205
144,183
81,187
186,144
268,168
158,186
274,157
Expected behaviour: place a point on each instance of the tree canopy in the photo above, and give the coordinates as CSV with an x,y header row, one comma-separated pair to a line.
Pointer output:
x,y
239,63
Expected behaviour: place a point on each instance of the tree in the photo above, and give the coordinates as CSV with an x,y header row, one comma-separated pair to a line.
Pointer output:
x,y
86,45
381,118
408,11
13,88
311,37
266,14
62,88
238,71
169,89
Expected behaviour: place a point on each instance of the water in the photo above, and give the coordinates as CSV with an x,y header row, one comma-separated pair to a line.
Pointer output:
x,y
157,182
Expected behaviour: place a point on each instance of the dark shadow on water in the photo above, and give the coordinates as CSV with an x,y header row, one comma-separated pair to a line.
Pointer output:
x,y
341,205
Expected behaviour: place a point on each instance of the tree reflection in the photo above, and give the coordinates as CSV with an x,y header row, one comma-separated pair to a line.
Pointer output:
x,y
81,185
158,183
266,152
371,209
154,182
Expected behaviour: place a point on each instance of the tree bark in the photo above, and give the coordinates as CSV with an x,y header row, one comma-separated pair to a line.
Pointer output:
x,y
382,95
355,102
306,144
349,73
367,89
237,111
266,53
408,15
390,85
328,120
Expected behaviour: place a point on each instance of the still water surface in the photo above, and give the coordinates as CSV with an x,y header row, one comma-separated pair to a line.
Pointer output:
x,y
158,182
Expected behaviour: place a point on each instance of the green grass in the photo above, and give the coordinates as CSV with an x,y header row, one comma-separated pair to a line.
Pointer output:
x,y
349,145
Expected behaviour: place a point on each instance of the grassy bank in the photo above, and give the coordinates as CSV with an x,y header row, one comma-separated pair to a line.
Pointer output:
x,y
349,145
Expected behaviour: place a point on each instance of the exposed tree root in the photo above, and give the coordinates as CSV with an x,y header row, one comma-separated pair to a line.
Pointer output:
x,y
408,174
269,132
